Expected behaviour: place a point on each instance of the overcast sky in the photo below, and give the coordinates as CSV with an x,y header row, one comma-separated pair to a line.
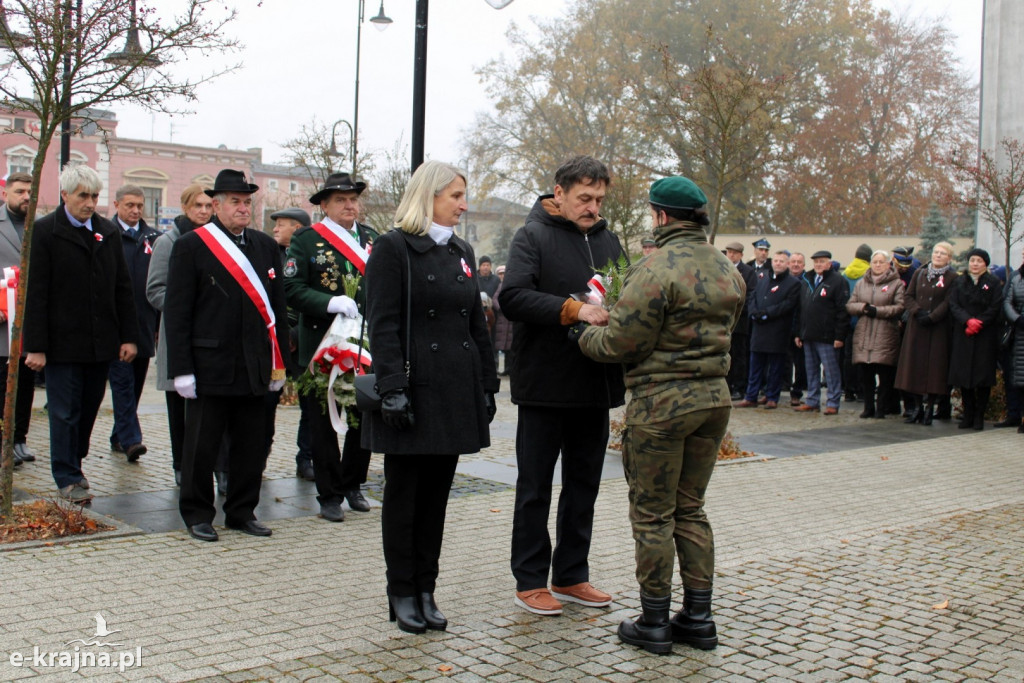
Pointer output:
x,y
299,61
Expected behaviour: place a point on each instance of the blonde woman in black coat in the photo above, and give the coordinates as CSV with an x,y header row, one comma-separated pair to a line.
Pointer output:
x,y
440,404
974,304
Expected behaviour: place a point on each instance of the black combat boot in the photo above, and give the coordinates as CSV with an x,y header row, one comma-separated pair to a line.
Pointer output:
x,y
692,625
651,631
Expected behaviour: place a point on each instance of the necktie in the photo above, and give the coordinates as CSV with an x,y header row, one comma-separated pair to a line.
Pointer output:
x,y
817,280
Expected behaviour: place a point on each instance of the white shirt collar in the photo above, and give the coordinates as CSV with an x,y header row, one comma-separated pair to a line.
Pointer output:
x,y
328,222
126,227
440,234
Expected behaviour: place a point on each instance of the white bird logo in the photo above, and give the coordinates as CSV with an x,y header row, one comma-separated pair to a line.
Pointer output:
x,y
101,627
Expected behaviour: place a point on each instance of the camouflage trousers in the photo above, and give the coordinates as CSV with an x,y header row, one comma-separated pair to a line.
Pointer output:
x,y
668,466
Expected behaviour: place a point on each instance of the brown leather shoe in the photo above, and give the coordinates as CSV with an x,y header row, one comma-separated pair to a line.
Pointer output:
x,y
771,405
539,601
831,411
582,593
806,408
761,401
746,404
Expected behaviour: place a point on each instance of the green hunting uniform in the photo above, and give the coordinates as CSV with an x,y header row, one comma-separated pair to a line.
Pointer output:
x,y
314,273
672,326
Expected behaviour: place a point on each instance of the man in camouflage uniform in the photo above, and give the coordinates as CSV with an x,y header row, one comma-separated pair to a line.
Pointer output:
x,y
314,283
672,326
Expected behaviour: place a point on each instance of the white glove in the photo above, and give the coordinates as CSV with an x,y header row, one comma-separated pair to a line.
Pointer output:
x,y
344,305
276,384
185,385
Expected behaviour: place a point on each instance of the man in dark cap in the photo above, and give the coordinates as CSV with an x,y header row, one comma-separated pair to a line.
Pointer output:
x,y
286,222
824,324
227,332
739,351
320,260
670,327
486,278
648,245
761,264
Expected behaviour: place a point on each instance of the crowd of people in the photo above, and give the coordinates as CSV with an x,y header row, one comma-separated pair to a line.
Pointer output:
x,y
695,331
887,330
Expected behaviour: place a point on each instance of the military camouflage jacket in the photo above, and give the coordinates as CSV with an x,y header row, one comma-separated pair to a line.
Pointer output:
x,y
672,325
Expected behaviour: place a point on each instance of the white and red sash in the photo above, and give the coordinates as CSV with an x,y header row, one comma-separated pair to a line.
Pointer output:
x,y
232,258
344,242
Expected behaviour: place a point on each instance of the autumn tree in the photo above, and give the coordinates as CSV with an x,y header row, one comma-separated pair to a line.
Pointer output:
x,y
62,60
995,179
866,161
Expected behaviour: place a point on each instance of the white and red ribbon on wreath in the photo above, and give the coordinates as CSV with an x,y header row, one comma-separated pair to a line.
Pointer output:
x,y
337,360
597,290
9,296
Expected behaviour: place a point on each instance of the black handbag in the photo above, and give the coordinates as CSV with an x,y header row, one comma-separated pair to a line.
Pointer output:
x,y
367,397
1006,338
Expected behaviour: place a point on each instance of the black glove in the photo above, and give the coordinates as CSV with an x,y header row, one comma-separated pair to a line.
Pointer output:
x,y
576,330
870,311
923,319
396,410
492,407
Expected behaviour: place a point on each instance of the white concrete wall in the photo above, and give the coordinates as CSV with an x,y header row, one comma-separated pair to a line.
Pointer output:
x,y
1002,96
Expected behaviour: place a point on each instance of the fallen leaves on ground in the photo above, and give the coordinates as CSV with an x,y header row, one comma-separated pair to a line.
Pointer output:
x,y
729,450
44,519
942,605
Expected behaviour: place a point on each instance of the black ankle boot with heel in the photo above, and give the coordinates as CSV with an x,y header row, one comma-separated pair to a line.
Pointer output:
x,y
406,611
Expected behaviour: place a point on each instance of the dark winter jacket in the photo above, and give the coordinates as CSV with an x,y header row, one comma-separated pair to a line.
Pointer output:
x,y
138,251
550,259
924,354
451,365
79,307
972,361
772,305
750,279
823,316
1013,310
877,338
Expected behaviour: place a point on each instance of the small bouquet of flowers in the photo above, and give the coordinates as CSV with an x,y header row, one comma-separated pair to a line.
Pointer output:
x,y
602,290
340,356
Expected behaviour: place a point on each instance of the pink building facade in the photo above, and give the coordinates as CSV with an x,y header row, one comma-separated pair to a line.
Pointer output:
x,y
161,169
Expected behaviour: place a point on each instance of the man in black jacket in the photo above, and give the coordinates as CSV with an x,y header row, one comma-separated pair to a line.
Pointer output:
x,y
227,330
79,316
128,379
563,396
824,324
739,350
771,306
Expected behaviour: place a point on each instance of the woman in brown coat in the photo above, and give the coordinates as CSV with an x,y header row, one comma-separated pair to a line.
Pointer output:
x,y
924,357
878,301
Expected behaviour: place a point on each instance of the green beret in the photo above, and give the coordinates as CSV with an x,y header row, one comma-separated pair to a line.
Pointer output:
x,y
677,192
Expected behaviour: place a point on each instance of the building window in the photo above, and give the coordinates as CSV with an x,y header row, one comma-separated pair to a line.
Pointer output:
x,y
272,184
18,163
293,187
154,200
19,125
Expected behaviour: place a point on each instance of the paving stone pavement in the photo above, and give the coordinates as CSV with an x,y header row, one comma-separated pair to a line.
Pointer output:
x,y
894,560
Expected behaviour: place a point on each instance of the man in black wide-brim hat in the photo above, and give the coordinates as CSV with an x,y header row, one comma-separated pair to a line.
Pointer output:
x,y
320,258
227,328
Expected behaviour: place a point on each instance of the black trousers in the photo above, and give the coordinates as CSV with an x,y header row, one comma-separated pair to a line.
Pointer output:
x,y
581,436
886,377
207,420
335,471
24,395
739,353
799,371
176,426
416,489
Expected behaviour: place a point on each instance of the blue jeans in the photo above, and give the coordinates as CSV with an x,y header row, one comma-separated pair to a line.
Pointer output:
x,y
74,392
816,356
124,394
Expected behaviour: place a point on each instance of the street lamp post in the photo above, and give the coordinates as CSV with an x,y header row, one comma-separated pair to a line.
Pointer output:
x,y
333,151
381,21
419,84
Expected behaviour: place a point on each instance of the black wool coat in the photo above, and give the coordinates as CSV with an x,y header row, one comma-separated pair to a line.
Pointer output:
x,y
550,259
213,329
450,357
772,305
972,361
751,279
79,307
138,251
